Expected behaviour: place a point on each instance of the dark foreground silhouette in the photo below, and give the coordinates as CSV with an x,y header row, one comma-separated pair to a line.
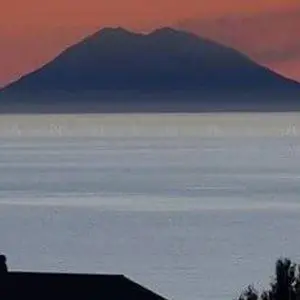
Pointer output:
x,y
34,285
285,286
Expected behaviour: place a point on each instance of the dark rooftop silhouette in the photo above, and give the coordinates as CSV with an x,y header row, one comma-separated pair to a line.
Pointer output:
x,y
35,285
115,66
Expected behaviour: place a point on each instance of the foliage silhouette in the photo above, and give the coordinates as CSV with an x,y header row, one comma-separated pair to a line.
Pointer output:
x,y
3,266
285,286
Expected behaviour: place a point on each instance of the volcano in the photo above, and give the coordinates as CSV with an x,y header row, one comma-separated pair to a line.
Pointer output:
x,y
115,70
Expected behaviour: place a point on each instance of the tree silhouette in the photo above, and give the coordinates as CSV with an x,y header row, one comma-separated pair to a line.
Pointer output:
x,y
249,294
285,286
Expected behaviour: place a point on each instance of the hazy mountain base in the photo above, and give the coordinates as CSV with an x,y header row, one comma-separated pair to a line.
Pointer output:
x,y
142,102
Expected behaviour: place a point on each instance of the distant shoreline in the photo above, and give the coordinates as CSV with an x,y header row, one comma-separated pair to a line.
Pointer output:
x,y
126,102
172,111
119,126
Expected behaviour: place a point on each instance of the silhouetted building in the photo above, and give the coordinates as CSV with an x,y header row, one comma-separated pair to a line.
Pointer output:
x,y
34,285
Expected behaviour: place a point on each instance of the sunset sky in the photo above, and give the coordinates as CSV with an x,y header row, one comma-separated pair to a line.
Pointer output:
x,y
32,32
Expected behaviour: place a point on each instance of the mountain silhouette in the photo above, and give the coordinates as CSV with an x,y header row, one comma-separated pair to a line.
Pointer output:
x,y
114,67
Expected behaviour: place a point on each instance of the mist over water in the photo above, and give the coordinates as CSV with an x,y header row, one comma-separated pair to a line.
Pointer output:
x,y
193,206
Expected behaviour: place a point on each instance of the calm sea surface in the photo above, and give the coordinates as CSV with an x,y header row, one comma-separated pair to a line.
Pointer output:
x,y
191,206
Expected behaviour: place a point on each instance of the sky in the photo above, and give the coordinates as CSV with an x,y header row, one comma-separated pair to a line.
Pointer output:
x,y
32,32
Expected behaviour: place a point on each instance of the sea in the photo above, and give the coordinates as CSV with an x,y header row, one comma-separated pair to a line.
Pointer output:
x,y
192,206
